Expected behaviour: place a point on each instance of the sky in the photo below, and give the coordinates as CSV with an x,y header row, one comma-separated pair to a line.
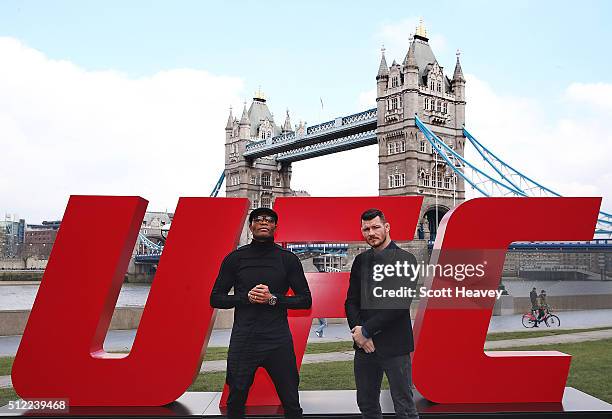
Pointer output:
x,y
131,98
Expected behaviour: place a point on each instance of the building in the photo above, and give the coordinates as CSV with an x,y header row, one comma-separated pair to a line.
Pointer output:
x,y
39,239
12,236
407,163
263,179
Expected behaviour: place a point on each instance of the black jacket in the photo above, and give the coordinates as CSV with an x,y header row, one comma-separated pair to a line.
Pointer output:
x,y
261,263
390,329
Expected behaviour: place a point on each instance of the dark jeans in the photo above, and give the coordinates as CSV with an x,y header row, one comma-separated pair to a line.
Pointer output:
x,y
369,370
280,365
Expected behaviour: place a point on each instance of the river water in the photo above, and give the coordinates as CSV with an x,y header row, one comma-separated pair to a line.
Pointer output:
x,y
21,297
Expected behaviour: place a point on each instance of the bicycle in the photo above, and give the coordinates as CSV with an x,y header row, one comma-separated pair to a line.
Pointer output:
x,y
550,320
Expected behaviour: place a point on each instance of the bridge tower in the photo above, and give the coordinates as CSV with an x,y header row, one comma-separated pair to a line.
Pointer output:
x,y
261,179
407,164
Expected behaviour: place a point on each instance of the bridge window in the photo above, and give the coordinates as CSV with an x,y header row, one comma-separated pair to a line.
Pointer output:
x,y
447,183
234,179
439,87
426,103
397,180
265,179
438,105
423,148
255,203
253,180
431,85
394,103
396,147
426,180
266,202
279,182
394,81
444,107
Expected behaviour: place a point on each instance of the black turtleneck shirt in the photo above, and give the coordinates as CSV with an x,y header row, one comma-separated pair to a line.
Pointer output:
x,y
261,263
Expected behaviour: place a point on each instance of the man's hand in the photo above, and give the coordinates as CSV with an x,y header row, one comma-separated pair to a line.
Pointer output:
x,y
358,337
368,346
364,343
259,294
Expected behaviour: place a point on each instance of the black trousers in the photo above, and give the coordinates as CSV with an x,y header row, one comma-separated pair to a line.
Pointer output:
x,y
369,370
279,362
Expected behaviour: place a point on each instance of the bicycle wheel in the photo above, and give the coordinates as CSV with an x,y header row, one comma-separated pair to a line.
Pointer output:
x,y
552,321
527,321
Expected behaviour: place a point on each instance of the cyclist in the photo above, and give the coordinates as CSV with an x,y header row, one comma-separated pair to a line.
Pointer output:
x,y
543,306
535,307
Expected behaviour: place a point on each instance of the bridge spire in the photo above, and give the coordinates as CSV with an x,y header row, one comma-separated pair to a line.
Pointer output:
x,y
410,60
259,96
230,120
458,74
383,68
244,120
421,30
287,124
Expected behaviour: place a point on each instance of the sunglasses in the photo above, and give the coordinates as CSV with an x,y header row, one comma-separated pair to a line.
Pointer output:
x,y
264,218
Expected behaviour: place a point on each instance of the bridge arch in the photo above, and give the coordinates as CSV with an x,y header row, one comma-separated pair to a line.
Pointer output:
x,y
430,220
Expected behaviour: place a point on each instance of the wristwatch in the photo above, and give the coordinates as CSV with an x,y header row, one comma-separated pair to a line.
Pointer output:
x,y
273,300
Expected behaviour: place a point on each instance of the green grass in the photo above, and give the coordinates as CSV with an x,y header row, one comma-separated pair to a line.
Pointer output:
x,y
321,348
6,395
6,363
536,333
591,367
590,371
338,375
218,353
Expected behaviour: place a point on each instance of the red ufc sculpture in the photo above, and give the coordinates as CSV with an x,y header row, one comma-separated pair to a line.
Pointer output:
x,y
326,220
449,364
61,355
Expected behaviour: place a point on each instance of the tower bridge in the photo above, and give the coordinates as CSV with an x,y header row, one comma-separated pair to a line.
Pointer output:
x,y
259,154
419,126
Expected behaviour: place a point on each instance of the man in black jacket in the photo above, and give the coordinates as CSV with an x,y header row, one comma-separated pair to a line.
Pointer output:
x,y
382,335
261,274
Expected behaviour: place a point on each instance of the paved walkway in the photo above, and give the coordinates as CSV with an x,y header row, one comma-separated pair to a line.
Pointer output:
x,y
122,340
217,366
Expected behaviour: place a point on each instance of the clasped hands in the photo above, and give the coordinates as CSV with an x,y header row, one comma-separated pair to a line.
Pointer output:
x,y
259,294
367,344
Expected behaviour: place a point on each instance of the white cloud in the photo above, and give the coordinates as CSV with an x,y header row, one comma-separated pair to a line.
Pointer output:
x,y
65,130
367,99
597,95
570,154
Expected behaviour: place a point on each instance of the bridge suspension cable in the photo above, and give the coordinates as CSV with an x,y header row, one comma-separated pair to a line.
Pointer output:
x,y
504,181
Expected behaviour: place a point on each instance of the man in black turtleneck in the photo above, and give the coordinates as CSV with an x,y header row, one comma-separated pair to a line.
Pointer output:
x,y
261,274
